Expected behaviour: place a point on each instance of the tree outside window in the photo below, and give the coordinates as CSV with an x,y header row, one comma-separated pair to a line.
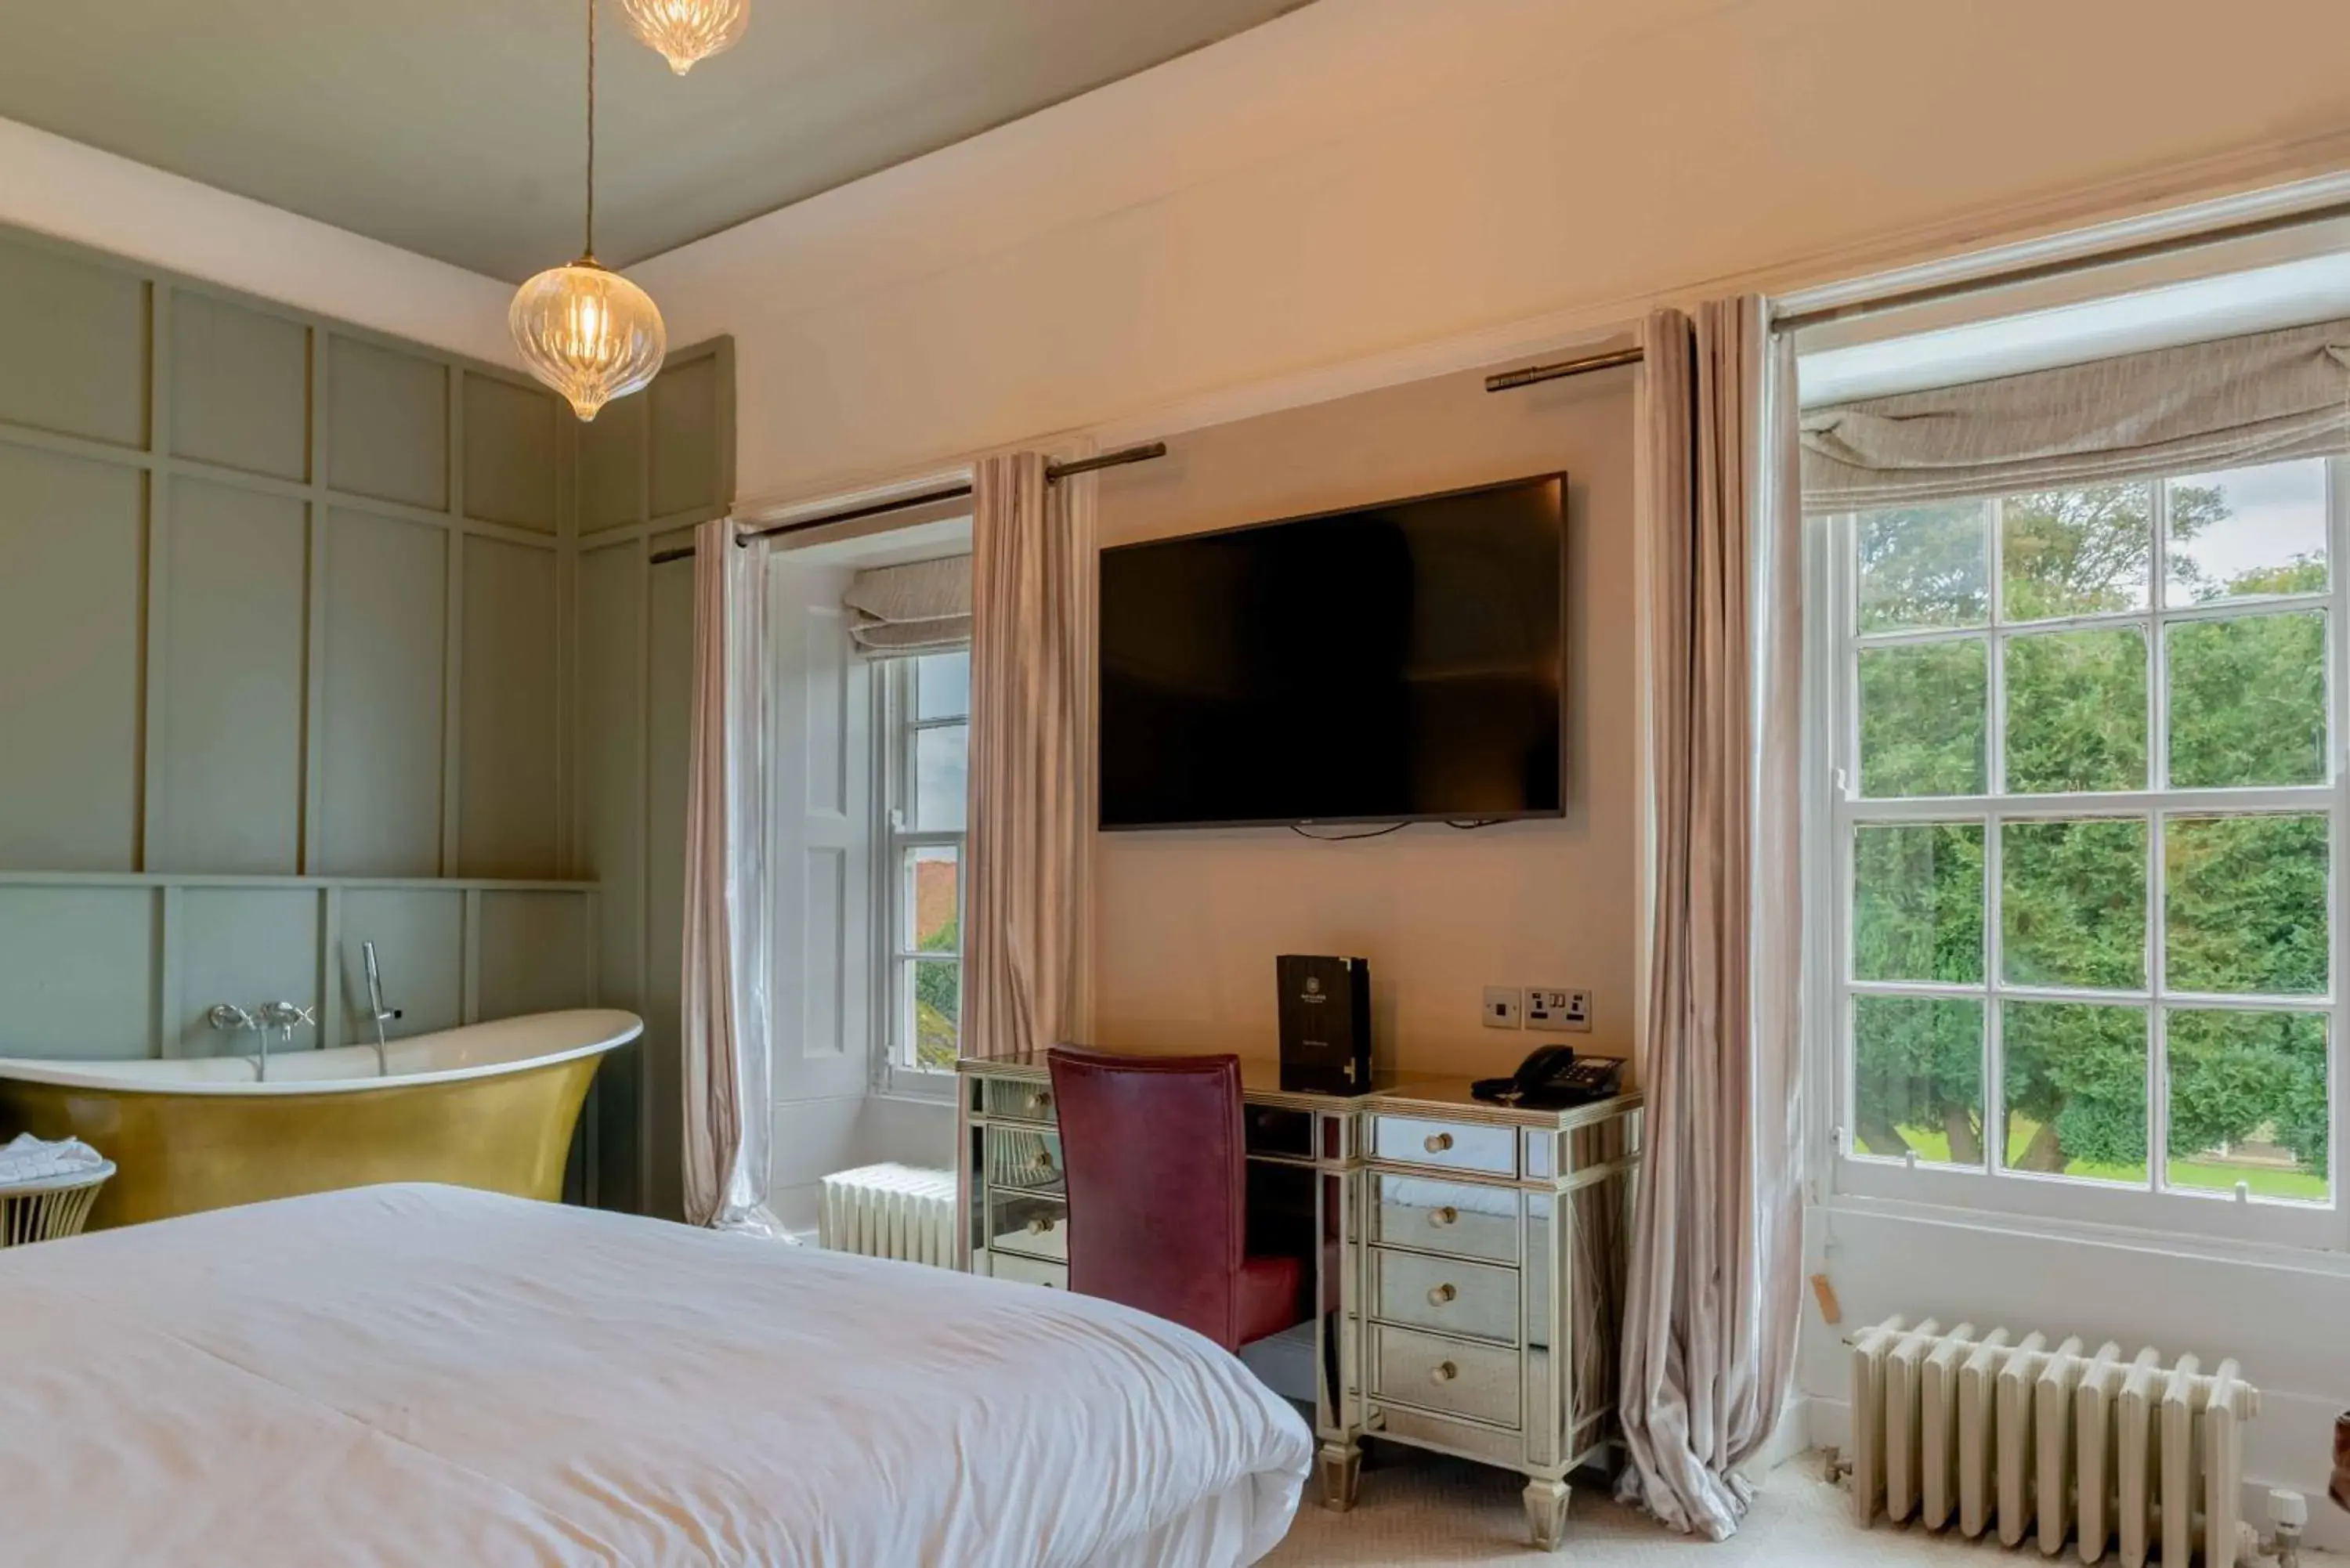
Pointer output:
x,y
2087,834
928,729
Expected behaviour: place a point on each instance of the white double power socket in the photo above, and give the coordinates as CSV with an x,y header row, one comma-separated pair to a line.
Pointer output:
x,y
1537,1007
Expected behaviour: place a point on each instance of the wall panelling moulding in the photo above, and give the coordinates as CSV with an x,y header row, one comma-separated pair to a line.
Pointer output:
x,y
300,646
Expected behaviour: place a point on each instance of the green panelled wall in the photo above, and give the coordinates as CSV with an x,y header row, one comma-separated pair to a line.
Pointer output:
x,y
309,637
650,469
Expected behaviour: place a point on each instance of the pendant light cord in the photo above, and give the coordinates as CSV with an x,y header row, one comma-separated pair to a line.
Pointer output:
x,y
590,252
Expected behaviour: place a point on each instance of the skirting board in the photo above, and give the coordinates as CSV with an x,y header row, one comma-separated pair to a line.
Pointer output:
x,y
798,1207
1792,1437
1830,1425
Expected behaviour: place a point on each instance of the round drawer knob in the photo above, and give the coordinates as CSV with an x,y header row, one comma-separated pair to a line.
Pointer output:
x,y
1441,1294
1039,1225
1443,1371
1439,1142
1041,1100
1444,1216
1044,1160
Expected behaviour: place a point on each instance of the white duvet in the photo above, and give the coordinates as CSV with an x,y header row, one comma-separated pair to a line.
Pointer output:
x,y
433,1377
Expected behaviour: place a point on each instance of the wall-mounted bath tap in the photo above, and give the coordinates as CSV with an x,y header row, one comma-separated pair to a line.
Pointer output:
x,y
228,1015
282,1016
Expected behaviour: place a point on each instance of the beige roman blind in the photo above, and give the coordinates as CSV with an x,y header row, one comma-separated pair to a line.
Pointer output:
x,y
2260,397
920,607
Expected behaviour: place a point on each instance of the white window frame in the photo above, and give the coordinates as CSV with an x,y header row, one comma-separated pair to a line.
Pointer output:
x,y
1833,749
895,731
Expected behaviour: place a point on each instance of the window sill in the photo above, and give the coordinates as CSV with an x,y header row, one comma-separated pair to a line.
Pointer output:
x,y
2108,1210
927,1089
942,1095
2316,1261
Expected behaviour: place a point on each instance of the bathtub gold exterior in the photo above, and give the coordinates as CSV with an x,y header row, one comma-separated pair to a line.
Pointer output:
x,y
181,1153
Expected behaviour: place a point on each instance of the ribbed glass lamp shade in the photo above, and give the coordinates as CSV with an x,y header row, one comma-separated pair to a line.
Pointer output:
x,y
588,333
685,31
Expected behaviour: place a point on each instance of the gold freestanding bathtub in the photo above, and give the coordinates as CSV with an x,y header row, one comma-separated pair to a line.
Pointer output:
x,y
489,1106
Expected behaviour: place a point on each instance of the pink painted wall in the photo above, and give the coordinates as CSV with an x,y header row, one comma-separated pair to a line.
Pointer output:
x,y
1364,175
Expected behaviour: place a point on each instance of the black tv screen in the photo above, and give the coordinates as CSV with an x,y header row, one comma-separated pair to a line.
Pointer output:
x,y
1399,662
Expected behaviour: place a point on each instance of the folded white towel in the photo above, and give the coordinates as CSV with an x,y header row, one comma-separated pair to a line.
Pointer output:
x,y
28,1159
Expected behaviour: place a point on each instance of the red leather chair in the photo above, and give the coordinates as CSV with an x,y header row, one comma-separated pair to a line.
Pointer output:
x,y
1159,1195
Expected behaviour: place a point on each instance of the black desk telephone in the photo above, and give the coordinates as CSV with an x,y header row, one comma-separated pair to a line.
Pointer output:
x,y
1553,1078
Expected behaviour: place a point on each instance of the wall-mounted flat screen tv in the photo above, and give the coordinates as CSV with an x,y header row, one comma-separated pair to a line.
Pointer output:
x,y
1390,664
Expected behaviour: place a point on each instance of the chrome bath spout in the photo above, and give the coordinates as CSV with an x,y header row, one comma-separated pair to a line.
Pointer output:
x,y
283,1017
228,1015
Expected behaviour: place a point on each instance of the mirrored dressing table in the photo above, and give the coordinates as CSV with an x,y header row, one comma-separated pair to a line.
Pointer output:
x,y
1478,1252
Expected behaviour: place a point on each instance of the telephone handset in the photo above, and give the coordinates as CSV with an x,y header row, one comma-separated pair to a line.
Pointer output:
x,y
1554,1077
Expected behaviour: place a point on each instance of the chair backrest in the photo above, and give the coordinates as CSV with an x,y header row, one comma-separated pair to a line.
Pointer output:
x,y
1157,1183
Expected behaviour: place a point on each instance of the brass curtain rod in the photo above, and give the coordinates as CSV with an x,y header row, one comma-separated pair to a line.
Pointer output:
x,y
1054,473
2061,266
1533,374
1959,288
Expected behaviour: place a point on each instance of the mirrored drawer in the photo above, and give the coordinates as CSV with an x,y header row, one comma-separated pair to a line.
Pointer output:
x,y
1454,1145
1029,1271
1479,1381
1022,1099
1449,1436
1032,1223
1445,1294
1024,1158
1272,1130
1450,1217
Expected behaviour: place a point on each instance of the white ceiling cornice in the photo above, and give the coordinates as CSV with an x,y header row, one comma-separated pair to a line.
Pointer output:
x,y
62,189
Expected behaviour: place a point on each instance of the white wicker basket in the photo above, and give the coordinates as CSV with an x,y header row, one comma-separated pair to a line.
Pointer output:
x,y
47,1210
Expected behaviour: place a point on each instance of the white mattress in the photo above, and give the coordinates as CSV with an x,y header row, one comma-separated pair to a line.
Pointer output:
x,y
429,1376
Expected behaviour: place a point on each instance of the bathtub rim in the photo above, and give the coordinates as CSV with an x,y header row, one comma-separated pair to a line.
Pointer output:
x,y
91,1075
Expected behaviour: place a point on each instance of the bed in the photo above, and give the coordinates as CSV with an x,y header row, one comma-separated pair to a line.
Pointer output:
x,y
418,1374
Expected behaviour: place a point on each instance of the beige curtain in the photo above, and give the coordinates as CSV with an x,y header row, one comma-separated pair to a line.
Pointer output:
x,y
1027,974
724,995
2259,398
1716,1256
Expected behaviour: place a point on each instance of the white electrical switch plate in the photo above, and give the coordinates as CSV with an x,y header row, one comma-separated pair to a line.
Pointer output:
x,y
1504,1004
1550,1007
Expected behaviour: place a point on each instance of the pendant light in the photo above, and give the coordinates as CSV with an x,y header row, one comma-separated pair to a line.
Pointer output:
x,y
584,329
685,31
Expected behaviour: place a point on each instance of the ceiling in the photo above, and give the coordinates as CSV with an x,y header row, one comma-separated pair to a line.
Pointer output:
x,y
453,127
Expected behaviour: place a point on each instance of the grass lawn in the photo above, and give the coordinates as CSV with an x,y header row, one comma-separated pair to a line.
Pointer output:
x,y
1933,1147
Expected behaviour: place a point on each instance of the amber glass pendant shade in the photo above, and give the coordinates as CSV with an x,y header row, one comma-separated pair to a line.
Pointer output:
x,y
683,32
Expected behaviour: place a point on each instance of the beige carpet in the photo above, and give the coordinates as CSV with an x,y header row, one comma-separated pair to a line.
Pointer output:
x,y
1420,1510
